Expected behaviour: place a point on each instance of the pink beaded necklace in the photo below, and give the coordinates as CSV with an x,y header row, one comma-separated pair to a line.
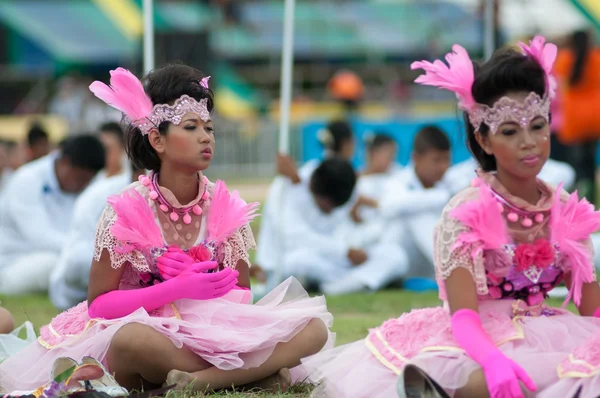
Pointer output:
x,y
174,212
514,212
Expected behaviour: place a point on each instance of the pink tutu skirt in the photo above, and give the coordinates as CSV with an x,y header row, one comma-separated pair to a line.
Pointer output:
x,y
225,332
558,349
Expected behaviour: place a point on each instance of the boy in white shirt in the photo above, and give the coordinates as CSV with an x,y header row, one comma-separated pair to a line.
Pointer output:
x,y
301,240
38,143
386,259
416,195
36,209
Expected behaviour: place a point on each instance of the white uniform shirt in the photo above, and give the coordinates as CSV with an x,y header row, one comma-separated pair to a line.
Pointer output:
x,y
35,214
406,196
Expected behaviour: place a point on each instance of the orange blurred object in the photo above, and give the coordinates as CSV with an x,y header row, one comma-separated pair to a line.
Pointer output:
x,y
580,117
345,85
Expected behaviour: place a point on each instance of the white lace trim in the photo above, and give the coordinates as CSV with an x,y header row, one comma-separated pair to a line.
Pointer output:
x,y
447,260
236,248
106,241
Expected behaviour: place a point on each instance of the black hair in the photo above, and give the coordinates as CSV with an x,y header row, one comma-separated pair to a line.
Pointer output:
x,y
507,71
430,137
164,86
580,44
84,151
36,134
334,179
115,129
337,132
133,168
377,140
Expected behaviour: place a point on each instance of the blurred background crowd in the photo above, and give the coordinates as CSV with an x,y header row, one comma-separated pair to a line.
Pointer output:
x,y
351,67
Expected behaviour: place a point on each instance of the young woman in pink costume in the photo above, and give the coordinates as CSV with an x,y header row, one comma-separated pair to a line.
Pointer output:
x,y
500,246
169,297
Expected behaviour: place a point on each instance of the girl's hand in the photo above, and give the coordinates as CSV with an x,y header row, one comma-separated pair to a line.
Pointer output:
x,y
287,168
175,261
502,376
204,286
362,201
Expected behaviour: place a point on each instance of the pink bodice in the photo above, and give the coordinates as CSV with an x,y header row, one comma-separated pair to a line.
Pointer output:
x,y
525,264
141,267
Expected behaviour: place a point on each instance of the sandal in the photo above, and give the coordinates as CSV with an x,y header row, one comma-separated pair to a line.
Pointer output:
x,y
105,383
415,383
66,377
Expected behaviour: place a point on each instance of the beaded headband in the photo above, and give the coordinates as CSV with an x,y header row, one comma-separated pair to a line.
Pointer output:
x,y
459,76
173,113
126,93
508,110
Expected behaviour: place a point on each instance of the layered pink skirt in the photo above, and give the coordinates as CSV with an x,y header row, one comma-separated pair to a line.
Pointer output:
x,y
225,332
558,349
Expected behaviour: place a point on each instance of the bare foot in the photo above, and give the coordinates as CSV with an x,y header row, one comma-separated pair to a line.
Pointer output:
x,y
181,380
278,383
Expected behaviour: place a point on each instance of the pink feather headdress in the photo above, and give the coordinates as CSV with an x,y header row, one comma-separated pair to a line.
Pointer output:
x,y
126,93
545,54
458,76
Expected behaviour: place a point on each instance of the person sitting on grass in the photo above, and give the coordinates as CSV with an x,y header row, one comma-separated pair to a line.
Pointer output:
x,y
168,296
500,246
7,323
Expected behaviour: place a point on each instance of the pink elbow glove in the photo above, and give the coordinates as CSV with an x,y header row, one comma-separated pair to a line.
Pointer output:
x,y
191,284
176,261
502,374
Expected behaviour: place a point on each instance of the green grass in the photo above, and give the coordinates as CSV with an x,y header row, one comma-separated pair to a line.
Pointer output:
x,y
354,314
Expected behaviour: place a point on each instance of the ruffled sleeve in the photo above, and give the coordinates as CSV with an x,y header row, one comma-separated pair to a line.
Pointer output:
x,y
564,260
106,241
451,253
237,247
572,221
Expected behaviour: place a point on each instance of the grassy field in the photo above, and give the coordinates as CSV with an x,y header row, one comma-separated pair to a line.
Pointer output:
x,y
354,315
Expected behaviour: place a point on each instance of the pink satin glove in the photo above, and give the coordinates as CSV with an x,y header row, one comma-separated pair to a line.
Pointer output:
x,y
175,261
205,286
502,374
186,285
502,377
